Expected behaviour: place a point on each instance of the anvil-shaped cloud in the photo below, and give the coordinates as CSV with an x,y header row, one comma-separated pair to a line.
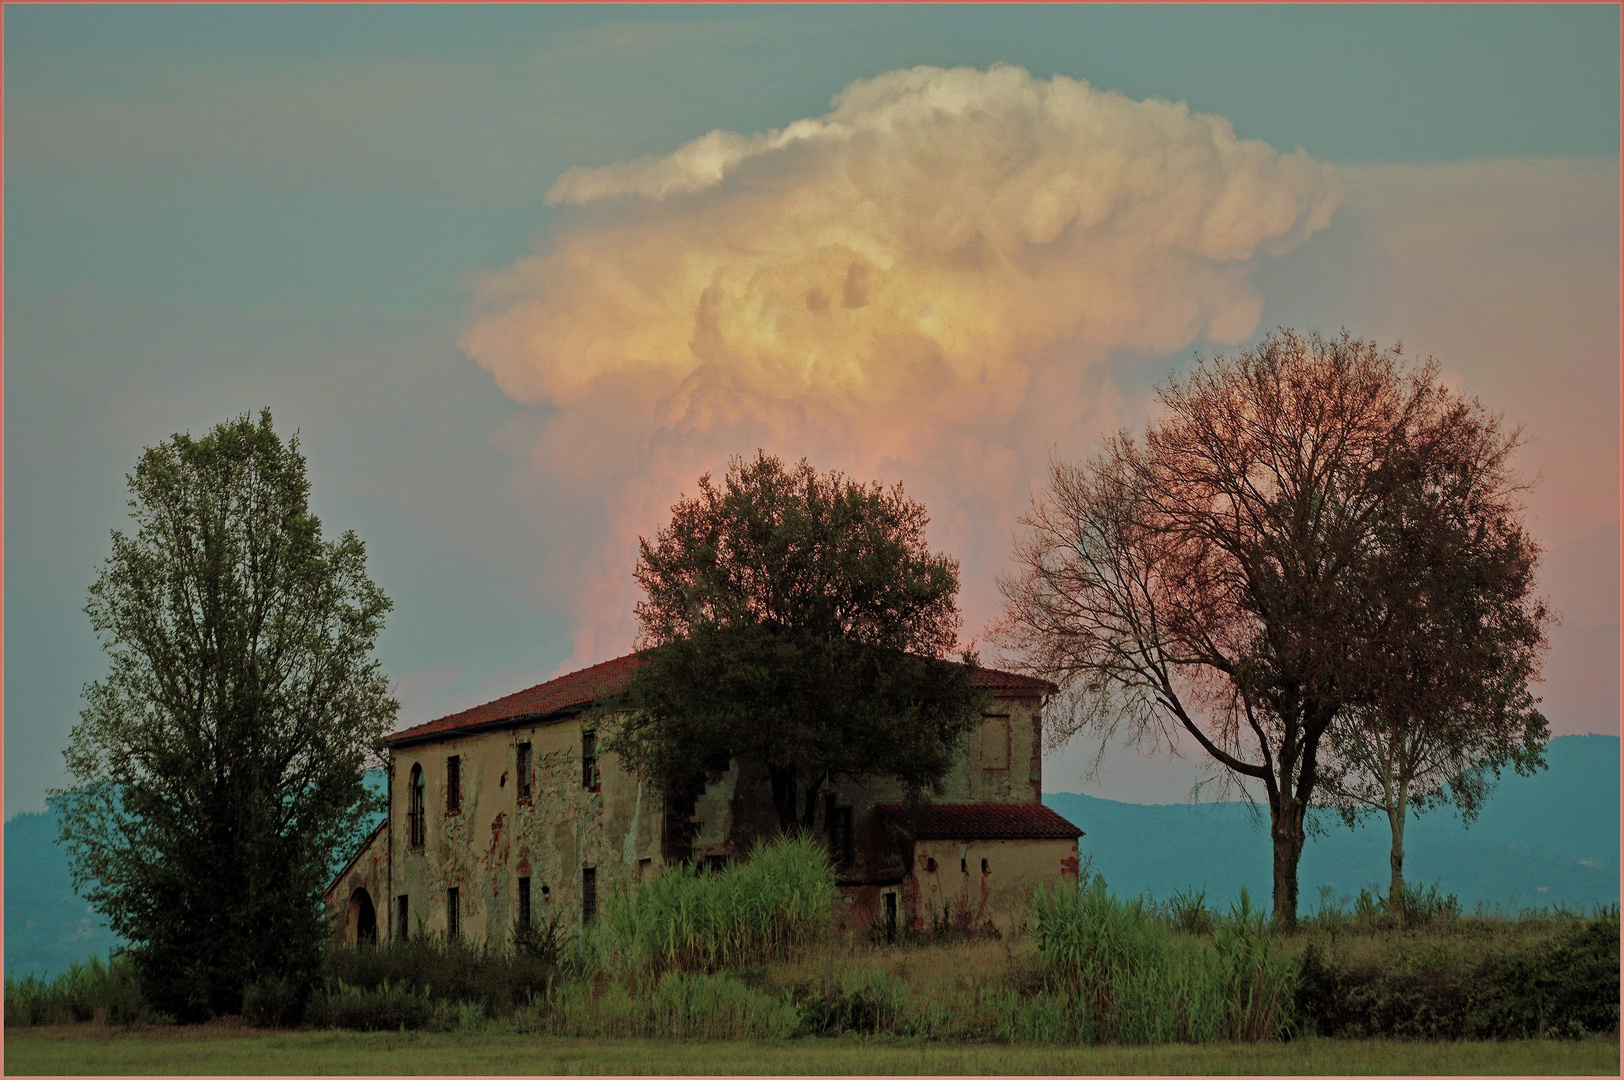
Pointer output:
x,y
922,285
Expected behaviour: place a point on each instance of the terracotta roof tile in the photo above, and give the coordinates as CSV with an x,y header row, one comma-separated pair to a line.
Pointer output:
x,y
581,688
981,821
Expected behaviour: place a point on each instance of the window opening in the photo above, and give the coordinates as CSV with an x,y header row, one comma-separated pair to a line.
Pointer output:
x,y
453,912
523,771
405,927
589,893
414,814
891,916
524,903
453,784
589,760
837,826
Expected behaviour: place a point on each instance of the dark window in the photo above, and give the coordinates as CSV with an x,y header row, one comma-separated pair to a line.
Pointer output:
x,y
524,903
523,771
403,931
716,863
414,812
589,760
930,866
453,785
837,824
891,916
589,894
985,869
453,912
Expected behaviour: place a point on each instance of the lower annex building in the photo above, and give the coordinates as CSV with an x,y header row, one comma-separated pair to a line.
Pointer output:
x,y
508,814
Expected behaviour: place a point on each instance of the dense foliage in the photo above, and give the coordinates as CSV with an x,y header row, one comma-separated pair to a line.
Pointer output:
x,y
1236,578
218,763
797,619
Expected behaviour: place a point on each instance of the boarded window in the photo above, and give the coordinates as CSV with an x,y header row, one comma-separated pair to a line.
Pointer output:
x,y
453,784
589,760
415,829
589,894
524,904
522,770
453,912
403,928
995,742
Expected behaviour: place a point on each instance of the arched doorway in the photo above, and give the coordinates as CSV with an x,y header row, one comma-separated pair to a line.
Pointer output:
x,y
363,917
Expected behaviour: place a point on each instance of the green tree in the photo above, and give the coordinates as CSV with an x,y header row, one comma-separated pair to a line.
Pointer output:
x,y
797,619
1233,579
219,762
1454,642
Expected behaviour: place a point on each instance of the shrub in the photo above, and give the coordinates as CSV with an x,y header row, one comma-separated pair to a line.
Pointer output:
x,y
870,1002
681,1005
387,1007
1188,912
688,919
272,1002
1565,987
452,970
107,992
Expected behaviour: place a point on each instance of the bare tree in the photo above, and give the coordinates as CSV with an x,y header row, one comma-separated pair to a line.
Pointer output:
x,y
1222,580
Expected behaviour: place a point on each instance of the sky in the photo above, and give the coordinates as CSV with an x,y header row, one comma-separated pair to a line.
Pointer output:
x,y
517,276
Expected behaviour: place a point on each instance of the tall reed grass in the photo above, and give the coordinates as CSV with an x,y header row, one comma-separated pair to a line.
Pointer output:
x,y
688,919
681,1005
106,992
1115,972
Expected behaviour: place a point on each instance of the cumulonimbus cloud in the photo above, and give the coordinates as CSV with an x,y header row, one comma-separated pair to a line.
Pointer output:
x,y
922,285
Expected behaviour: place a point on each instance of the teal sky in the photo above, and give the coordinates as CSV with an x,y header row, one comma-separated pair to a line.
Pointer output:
x,y
212,209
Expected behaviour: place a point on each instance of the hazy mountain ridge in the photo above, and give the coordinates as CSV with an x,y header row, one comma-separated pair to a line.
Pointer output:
x,y
1552,838
1547,839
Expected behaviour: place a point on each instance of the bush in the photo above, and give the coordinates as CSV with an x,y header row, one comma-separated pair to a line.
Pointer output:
x,y
451,970
107,992
870,1002
387,1007
689,919
1565,987
272,1002
681,1005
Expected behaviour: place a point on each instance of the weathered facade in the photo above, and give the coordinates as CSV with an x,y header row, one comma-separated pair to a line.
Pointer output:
x,y
507,815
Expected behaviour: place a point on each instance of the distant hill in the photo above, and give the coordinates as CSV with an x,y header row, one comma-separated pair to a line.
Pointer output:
x,y
1552,838
1547,839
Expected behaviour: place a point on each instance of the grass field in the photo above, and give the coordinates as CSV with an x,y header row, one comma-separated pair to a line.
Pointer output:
x,y
221,1050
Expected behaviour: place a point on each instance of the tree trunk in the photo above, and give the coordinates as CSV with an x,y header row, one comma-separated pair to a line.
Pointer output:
x,y
1286,831
1395,858
784,792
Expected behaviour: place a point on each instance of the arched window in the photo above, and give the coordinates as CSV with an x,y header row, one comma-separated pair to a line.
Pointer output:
x,y
415,825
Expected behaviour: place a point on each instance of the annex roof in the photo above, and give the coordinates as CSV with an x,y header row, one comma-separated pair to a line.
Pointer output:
x,y
581,688
980,821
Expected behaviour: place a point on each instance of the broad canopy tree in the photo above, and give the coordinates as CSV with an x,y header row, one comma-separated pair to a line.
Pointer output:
x,y
219,762
1235,578
800,620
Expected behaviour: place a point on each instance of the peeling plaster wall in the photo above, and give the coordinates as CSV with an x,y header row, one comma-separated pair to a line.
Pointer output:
x,y
959,894
494,839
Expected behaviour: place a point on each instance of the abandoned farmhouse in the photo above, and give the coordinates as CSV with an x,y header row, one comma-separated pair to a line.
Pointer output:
x,y
507,815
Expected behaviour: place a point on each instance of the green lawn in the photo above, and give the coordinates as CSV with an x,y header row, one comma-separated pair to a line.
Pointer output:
x,y
90,1049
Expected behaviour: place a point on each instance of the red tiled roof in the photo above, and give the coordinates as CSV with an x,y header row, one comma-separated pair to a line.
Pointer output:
x,y
981,821
581,688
